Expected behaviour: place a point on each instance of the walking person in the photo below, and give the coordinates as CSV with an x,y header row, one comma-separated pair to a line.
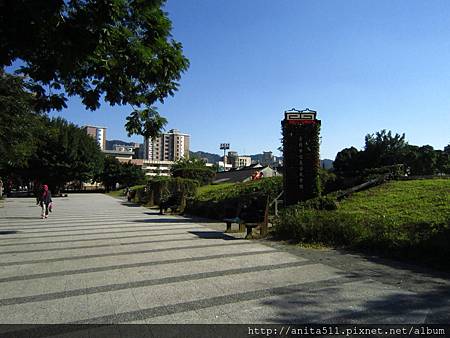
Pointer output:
x,y
45,200
37,190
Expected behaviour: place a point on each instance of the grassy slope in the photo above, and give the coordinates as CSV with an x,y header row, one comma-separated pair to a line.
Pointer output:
x,y
404,219
418,201
206,190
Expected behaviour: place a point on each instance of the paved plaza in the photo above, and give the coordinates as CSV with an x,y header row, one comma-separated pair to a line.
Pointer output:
x,y
97,259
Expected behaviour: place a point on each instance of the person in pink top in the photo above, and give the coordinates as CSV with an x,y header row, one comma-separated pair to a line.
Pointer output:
x,y
45,200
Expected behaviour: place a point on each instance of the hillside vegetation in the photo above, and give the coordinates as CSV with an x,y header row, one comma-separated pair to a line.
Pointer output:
x,y
213,200
409,219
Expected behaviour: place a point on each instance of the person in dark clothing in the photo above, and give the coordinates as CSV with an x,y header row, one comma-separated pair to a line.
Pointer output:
x,y
38,190
45,200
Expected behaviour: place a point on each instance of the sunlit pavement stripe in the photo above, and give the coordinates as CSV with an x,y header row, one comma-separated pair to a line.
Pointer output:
x,y
130,285
43,224
83,234
237,242
213,301
99,225
132,265
99,245
94,239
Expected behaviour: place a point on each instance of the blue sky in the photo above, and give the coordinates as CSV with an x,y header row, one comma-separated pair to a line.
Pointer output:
x,y
363,65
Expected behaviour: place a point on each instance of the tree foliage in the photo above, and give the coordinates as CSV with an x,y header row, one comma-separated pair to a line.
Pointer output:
x,y
18,123
126,174
384,149
193,168
120,51
64,153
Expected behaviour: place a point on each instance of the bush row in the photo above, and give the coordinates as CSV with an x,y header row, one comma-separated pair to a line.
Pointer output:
x,y
160,188
381,234
218,203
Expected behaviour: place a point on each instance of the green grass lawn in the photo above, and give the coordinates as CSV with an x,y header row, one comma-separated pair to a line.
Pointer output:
x,y
119,192
407,219
418,201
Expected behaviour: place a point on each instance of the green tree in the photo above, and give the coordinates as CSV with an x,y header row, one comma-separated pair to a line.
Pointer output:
x,y
421,160
131,174
110,174
383,148
193,168
114,172
18,124
442,162
347,161
447,149
117,50
64,153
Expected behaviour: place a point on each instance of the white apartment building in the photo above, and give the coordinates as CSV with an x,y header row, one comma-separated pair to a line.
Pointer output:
x,y
98,133
170,146
157,168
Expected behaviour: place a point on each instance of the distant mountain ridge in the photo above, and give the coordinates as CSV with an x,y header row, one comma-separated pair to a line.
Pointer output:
x,y
213,158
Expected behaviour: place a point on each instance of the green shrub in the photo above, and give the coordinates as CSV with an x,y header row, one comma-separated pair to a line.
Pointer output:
x,y
217,202
328,181
407,219
320,203
203,175
160,188
141,195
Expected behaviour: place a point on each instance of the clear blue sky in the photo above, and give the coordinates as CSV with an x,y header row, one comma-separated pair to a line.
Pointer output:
x,y
363,65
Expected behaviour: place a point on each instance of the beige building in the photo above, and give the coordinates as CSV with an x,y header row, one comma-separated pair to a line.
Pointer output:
x,y
170,146
237,161
99,134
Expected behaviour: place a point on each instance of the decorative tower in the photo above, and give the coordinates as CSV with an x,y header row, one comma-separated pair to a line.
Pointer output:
x,y
301,159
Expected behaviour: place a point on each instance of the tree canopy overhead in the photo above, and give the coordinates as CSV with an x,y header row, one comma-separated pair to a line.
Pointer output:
x,y
117,50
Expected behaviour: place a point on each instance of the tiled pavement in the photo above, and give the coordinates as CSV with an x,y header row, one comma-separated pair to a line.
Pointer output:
x,y
99,260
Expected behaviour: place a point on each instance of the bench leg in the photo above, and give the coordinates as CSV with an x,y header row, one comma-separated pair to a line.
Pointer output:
x,y
228,227
241,227
249,233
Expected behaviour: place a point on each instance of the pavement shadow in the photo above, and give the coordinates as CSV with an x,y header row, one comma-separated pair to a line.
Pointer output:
x,y
162,220
152,213
8,232
130,204
348,305
21,217
418,272
214,235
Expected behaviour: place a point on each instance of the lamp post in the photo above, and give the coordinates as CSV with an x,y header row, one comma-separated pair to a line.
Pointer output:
x,y
225,147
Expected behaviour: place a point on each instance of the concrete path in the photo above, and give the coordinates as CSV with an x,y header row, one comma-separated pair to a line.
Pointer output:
x,y
100,260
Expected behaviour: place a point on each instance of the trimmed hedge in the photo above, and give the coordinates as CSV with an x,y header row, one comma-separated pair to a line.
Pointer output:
x,y
159,189
203,175
382,234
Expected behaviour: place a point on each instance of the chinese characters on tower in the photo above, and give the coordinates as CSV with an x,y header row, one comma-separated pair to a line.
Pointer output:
x,y
301,155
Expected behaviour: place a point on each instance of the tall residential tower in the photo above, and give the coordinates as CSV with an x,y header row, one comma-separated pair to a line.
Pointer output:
x,y
99,134
170,146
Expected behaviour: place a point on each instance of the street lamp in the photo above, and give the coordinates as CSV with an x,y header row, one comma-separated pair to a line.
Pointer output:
x,y
225,147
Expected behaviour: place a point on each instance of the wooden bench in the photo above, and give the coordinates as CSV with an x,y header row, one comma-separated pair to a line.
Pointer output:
x,y
251,214
237,220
